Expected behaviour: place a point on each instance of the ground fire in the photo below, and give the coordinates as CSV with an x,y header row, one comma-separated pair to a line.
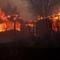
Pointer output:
x,y
7,23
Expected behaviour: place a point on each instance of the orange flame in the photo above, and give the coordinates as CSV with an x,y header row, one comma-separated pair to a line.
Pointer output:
x,y
2,27
6,24
18,26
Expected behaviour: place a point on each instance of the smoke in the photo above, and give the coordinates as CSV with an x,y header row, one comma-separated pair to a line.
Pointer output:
x,y
24,7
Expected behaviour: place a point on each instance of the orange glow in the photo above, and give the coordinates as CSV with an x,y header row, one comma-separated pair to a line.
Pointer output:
x,y
7,25
41,18
18,26
55,18
38,17
56,22
30,23
54,28
2,27
58,13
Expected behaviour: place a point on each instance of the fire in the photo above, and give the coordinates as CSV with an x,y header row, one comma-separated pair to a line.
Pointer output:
x,y
39,18
55,18
9,25
6,24
56,22
30,25
2,27
18,26
59,13
54,28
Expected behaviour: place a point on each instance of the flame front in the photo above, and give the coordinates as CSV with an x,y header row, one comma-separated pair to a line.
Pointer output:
x,y
6,24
